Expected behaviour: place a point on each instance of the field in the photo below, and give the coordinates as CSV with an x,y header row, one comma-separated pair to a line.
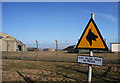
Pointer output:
x,y
27,66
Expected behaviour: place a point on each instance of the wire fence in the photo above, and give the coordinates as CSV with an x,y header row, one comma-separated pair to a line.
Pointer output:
x,y
61,45
48,46
47,52
109,68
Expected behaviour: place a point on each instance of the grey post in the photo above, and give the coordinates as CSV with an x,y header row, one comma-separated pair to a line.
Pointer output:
x,y
7,47
37,49
90,54
92,16
90,69
105,54
57,49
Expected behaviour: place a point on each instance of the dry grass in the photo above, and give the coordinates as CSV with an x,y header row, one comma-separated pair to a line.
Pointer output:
x,y
47,69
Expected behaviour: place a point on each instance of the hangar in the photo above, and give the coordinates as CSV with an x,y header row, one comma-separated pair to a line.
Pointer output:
x,y
9,43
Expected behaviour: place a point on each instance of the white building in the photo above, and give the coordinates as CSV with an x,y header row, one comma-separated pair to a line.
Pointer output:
x,y
115,47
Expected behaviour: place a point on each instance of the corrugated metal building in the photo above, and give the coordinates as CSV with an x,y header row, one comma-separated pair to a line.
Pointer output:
x,y
9,43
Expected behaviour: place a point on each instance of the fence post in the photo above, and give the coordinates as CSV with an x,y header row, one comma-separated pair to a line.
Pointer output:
x,y
57,49
105,53
37,50
7,48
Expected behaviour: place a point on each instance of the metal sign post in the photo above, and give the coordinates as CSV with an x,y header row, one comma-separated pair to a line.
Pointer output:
x,y
90,69
90,54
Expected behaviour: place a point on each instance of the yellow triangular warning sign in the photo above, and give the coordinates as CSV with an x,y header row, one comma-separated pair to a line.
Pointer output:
x,y
91,38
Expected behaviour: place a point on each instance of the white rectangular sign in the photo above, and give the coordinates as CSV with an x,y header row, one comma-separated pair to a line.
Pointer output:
x,y
90,60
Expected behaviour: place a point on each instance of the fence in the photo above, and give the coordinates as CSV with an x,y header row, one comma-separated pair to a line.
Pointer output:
x,y
110,63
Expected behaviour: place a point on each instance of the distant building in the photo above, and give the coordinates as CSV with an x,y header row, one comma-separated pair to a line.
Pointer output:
x,y
71,49
48,49
115,47
31,49
9,43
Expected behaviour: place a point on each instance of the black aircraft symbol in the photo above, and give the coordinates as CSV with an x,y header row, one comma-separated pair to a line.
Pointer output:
x,y
91,36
